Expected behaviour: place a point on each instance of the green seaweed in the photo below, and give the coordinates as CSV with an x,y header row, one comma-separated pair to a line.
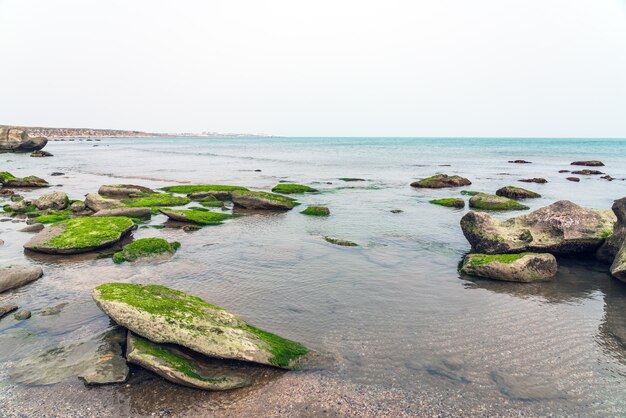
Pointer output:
x,y
292,188
195,188
269,196
5,176
51,219
316,211
282,349
475,260
30,208
149,200
451,202
342,242
204,217
492,202
351,179
212,203
145,247
89,231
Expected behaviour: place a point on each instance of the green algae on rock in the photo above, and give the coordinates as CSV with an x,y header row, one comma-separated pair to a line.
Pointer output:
x,y
485,201
351,179
200,217
80,235
52,218
165,315
145,248
196,188
9,180
155,199
292,188
316,211
440,181
522,267
469,192
178,367
451,202
341,242
262,200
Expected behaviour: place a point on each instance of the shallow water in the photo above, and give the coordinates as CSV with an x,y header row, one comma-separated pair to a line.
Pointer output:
x,y
389,313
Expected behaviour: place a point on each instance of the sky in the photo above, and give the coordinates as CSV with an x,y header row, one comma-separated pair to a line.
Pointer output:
x,y
426,68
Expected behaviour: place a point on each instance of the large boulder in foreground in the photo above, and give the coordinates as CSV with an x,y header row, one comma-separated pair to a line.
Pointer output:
x,y
165,315
17,140
9,180
15,276
177,366
121,191
79,235
522,267
560,228
262,200
441,181
54,200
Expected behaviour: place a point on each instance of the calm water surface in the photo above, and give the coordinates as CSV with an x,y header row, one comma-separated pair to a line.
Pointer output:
x,y
389,313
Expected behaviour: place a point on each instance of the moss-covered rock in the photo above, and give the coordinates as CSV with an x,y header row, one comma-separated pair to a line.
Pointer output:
x,y
165,315
121,191
469,192
590,163
146,248
262,201
79,235
53,218
292,188
451,202
484,201
179,367
513,192
441,181
221,190
155,200
132,212
522,267
9,180
21,206
316,211
341,242
351,179
200,217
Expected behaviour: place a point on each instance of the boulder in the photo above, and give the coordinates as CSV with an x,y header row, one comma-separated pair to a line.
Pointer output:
x,y
146,248
587,172
513,192
7,309
54,200
9,180
519,162
615,241
79,235
534,180
574,179
316,211
441,181
12,277
165,315
32,228
484,201
292,188
41,153
199,217
560,228
121,191
17,140
262,200
21,206
179,367
522,267
451,202
140,213
97,203
591,163
78,206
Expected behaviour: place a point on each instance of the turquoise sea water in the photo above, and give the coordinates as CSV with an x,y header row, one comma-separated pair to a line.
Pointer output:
x,y
389,313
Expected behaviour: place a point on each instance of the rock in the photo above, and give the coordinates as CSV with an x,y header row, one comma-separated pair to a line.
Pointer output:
x,y
262,200
587,172
17,140
607,178
441,181
526,388
177,366
191,228
56,173
196,216
592,163
316,211
614,242
220,191
155,200
79,235
522,267
146,248
53,310
22,315
121,191
6,192
215,195
7,309
164,315
97,360
40,153
618,267
519,162
21,206
291,188
560,228
452,202
396,211
341,242
97,203
574,179
563,171
54,200
12,277
513,192
534,180
350,179
492,202
32,228
9,180
78,207
139,213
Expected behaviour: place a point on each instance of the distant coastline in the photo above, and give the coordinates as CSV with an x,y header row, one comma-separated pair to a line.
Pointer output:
x,y
62,133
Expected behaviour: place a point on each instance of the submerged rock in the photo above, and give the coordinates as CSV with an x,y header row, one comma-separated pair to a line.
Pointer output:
x,y
452,202
591,163
165,315
262,201
316,211
12,277
534,180
22,315
178,367
199,217
513,192
145,248
292,188
17,140
574,179
220,191
484,201
121,191
441,181
54,200
9,180
80,235
341,242
560,228
521,267
526,388
587,172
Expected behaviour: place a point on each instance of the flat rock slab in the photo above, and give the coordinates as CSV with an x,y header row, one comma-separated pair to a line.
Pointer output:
x,y
97,203
526,388
179,367
165,315
7,309
524,267
121,191
12,277
140,213
262,201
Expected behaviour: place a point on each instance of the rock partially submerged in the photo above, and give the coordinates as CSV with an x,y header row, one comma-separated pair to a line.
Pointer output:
x,y
341,242
484,201
9,180
316,211
513,192
590,163
560,228
146,248
522,267
441,181
121,191
220,191
12,277
451,202
150,200
96,203
177,366
519,162
165,315
292,188
262,201
40,153
80,235
54,200
587,172
574,179
196,216
539,180
17,140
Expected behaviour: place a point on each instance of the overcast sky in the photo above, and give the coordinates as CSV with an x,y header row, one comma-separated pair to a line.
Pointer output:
x,y
309,68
